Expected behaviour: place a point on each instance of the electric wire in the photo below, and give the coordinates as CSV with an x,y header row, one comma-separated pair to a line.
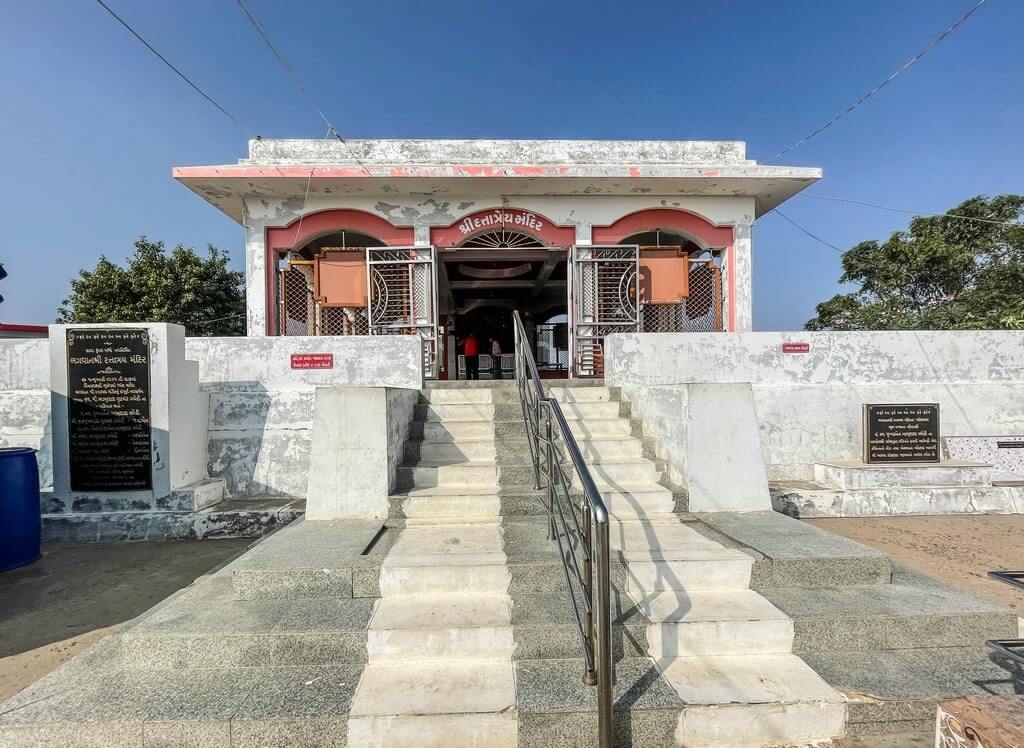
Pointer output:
x,y
907,210
169,64
935,42
811,234
297,80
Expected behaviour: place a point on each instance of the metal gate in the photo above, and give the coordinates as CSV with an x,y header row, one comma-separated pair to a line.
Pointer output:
x,y
604,299
402,286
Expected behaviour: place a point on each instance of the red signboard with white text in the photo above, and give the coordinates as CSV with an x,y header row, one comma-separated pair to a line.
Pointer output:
x,y
796,347
312,360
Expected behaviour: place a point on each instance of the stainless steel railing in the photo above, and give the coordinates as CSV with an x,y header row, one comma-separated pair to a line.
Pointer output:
x,y
578,524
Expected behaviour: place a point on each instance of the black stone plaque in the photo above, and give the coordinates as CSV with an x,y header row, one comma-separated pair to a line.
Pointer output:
x,y
896,433
109,426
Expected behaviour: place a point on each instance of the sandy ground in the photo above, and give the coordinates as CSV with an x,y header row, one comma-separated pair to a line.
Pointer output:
x,y
958,549
55,608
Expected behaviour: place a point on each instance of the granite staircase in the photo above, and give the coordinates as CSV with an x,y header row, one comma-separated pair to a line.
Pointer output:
x,y
449,623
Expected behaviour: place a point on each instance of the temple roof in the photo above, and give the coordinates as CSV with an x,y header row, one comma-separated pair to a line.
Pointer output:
x,y
280,169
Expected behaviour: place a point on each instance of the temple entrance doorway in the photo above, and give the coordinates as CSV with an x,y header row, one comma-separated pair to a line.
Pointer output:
x,y
481,282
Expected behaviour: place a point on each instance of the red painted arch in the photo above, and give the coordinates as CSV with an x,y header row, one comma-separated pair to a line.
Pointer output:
x,y
528,221
305,229
691,224
664,219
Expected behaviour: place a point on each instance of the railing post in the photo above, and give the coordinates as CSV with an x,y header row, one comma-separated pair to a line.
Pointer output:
x,y
589,677
536,452
550,462
603,652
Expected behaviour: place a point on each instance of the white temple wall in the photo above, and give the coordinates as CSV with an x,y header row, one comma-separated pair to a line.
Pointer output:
x,y
809,404
260,409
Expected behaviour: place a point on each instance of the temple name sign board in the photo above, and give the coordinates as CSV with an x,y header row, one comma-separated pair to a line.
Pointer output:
x,y
896,432
109,420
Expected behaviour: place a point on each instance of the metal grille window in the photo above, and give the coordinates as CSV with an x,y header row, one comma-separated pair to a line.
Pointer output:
x,y
295,290
701,311
342,320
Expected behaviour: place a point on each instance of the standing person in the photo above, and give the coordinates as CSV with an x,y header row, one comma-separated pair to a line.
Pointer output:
x,y
471,350
495,359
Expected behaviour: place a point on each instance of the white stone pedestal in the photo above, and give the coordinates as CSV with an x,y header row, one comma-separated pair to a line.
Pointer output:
x,y
178,420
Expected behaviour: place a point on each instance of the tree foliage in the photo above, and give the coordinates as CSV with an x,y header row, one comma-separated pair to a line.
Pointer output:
x,y
943,273
182,287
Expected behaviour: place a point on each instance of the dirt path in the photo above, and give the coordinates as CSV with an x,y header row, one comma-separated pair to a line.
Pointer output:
x,y
55,608
958,549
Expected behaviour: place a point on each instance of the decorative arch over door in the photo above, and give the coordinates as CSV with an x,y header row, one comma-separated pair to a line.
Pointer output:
x,y
703,232
280,239
515,220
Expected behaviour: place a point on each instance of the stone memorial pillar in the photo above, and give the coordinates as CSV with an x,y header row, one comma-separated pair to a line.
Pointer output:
x,y
129,419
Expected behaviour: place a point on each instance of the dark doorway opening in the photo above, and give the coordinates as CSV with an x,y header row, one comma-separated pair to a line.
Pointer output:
x,y
481,282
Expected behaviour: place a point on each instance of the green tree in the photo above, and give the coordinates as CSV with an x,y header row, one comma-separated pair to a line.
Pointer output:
x,y
200,293
943,273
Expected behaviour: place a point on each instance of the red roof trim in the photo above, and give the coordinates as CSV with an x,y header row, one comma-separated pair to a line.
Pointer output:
x,y
23,328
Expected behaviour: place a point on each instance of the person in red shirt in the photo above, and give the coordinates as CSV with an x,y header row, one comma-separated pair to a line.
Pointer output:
x,y
471,350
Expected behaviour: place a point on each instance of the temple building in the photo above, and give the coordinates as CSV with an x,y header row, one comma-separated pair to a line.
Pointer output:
x,y
443,238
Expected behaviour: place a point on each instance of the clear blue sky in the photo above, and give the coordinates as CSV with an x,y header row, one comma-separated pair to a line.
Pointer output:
x,y
92,122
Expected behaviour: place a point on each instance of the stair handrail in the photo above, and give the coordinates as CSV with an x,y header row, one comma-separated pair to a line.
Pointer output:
x,y
544,420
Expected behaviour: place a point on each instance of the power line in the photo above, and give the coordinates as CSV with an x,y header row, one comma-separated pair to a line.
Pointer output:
x,y
907,210
168,63
814,236
297,80
936,42
262,31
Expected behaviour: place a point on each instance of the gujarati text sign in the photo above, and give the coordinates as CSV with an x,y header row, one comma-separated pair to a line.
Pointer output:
x,y
901,432
109,423
312,360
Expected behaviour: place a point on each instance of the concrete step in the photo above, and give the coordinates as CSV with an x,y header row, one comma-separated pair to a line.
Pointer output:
x,y
468,625
714,622
629,503
451,451
615,473
583,411
455,412
310,559
481,475
912,612
445,558
701,569
458,508
555,707
754,700
568,394
465,703
453,431
544,627
896,692
452,395
599,449
203,627
612,426
646,539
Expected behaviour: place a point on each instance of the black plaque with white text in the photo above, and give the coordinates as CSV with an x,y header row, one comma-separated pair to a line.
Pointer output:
x,y
109,426
895,433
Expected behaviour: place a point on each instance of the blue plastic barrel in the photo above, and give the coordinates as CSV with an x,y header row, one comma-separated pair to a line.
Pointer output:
x,y
20,521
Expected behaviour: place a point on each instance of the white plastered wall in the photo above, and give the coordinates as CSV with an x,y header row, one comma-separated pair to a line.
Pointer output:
x,y
809,405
